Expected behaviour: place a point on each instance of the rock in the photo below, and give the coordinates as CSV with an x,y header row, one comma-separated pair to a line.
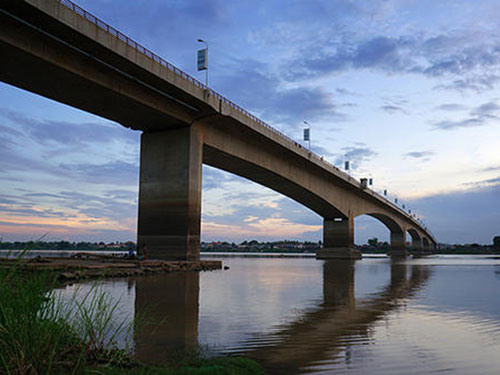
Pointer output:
x,y
67,276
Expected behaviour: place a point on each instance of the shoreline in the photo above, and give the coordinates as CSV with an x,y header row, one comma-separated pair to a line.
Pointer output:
x,y
92,266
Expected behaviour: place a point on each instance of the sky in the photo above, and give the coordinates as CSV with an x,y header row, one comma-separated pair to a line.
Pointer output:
x,y
406,90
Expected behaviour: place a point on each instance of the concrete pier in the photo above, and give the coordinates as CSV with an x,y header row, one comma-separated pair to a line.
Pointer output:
x,y
398,245
170,194
338,240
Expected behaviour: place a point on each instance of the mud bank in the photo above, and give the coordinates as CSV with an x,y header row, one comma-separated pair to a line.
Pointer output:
x,y
88,266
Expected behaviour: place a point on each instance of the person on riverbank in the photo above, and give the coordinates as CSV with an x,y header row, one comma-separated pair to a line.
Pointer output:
x,y
142,252
131,254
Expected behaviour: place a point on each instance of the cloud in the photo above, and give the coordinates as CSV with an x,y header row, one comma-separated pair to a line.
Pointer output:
x,y
489,169
450,107
240,209
482,183
28,211
113,173
477,82
479,116
274,102
489,110
389,108
318,59
471,61
264,229
466,123
62,149
323,151
49,132
424,155
355,155
381,52
249,219
67,214
343,91
111,204
463,217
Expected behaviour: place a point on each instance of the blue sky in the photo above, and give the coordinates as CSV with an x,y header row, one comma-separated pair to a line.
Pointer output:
x,y
406,90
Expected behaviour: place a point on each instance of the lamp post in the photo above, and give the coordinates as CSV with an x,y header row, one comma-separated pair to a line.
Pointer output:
x,y
203,60
347,165
307,134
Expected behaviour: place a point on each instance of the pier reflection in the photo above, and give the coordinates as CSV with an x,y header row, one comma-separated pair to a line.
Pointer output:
x,y
328,332
166,315
168,307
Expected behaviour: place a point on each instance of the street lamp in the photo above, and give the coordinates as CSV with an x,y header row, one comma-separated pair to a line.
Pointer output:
x,y
307,134
347,166
203,60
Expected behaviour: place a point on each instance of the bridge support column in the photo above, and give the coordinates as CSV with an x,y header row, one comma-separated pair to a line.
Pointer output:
x,y
417,249
426,246
398,245
338,240
170,194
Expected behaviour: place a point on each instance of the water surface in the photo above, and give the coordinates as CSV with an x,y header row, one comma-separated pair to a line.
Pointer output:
x,y
299,315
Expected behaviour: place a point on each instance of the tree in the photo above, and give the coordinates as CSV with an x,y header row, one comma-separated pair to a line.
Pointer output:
x,y
496,242
373,242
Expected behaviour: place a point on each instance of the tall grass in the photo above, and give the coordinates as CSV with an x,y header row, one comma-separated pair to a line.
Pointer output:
x,y
107,337
41,332
34,336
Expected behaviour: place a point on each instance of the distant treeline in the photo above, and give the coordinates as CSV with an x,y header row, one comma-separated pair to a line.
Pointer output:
x,y
373,246
66,245
255,246
468,249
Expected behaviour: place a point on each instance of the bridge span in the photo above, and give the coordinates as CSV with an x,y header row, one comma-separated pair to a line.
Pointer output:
x,y
58,50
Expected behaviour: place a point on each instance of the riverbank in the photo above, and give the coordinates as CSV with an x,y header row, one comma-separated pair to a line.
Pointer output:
x,y
42,334
90,266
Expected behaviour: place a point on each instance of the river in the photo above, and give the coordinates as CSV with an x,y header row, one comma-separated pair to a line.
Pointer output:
x,y
439,314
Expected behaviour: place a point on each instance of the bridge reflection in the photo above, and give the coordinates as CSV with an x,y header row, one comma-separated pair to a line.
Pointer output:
x,y
325,333
315,336
166,315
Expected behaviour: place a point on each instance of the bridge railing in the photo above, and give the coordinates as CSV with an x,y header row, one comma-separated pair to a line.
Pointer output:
x,y
139,47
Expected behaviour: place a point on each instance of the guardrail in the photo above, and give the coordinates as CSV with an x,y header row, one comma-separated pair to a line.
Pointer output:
x,y
104,26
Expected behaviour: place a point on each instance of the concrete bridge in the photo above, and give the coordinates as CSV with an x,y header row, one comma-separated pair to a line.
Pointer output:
x,y
60,51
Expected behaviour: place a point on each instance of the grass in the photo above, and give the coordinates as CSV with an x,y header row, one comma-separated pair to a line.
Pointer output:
x,y
206,366
40,333
34,337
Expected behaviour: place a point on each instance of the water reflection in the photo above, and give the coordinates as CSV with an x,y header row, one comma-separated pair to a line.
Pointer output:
x,y
340,321
166,315
170,305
